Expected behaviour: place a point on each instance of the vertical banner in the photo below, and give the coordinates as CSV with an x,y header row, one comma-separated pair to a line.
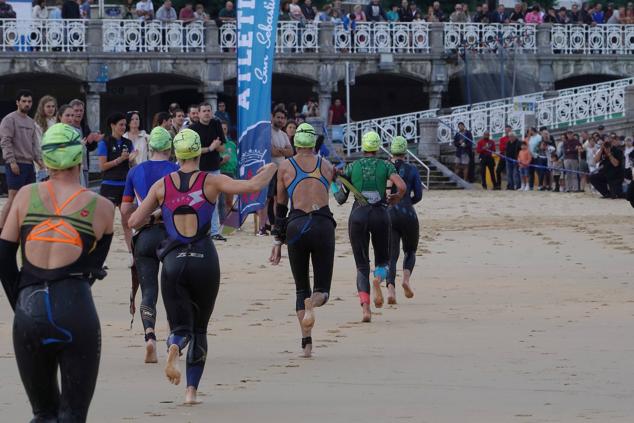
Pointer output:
x,y
257,30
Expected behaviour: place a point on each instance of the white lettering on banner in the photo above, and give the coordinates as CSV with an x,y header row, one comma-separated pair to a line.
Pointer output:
x,y
264,37
244,77
245,40
245,61
243,99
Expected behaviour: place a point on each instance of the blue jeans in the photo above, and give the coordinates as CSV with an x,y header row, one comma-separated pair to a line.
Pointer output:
x,y
513,174
215,219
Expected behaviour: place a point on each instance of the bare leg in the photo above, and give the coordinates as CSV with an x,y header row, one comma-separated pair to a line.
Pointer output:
x,y
406,286
190,396
127,232
367,314
171,367
309,315
378,294
7,207
150,349
306,332
391,294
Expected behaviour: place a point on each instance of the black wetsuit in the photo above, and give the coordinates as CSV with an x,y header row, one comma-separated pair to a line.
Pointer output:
x,y
404,221
191,271
310,237
56,323
370,222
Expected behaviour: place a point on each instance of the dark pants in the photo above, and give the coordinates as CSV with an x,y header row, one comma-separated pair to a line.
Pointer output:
x,y
607,187
499,169
487,162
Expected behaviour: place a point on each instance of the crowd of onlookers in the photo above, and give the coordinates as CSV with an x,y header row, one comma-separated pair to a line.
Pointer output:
x,y
588,13
573,162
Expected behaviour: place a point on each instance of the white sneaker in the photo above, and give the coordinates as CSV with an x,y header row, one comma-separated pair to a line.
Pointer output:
x,y
527,188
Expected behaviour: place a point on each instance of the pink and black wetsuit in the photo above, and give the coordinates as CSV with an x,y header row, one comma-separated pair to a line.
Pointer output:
x,y
191,271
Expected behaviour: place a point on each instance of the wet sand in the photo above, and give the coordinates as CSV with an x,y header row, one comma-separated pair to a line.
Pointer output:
x,y
523,313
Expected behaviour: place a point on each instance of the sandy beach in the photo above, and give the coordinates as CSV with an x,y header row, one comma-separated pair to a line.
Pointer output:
x,y
524,312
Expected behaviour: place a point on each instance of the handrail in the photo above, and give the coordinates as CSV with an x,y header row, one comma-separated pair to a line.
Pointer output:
x,y
410,154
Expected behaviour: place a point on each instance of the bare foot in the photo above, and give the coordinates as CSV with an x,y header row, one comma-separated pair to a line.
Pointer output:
x,y
408,290
150,351
171,367
190,396
378,294
309,315
367,314
308,351
391,294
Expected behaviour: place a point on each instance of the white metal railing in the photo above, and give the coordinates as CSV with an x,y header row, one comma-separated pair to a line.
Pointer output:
x,y
154,36
481,37
42,35
292,37
383,37
489,115
600,39
554,113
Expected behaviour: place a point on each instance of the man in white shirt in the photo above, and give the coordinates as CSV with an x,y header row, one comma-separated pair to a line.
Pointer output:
x,y
145,10
166,13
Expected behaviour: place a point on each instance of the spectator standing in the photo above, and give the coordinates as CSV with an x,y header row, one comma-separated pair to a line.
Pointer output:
x,y
227,13
556,167
463,143
629,148
541,163
576,17
295,11
166,13
20,148
199,14
192,115
500,15
485,149
410,12
138,136
309,11
586,14
145,10
598,16
359,14
617,17
178,122
56,12
186,14
534,139
39,11
438,13
6,10
609,179
482,14
392,14
326,13
517,16
228,167
571,163
222,113
430,17
501,165
212,140
551,16
45,114
337,113
84,9
513,147
374,12
89,139
534,16
308,106
524,159
562,16
591,148
70,10
458,15
163,119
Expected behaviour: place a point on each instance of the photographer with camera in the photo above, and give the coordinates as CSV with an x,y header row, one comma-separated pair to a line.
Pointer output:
x,y
609,179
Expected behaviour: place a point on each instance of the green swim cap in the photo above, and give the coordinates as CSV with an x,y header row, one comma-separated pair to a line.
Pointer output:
x,y
187,144
305,136
370,142
160,139
399,145
62,147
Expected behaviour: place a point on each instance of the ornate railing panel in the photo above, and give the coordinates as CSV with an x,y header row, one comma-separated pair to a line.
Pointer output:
x,y
490,37
67,35
292,37
600,39
134,36
383,37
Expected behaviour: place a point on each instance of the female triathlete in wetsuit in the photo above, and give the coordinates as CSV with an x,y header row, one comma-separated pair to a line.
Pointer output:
x,y
64,232
369,176
191,272
404,221
309,229
146,240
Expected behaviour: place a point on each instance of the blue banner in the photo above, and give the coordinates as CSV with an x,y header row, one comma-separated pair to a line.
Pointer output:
x,y
257,30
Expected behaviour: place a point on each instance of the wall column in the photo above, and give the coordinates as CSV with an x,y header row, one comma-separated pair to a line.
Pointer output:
x,y
93,105
428,144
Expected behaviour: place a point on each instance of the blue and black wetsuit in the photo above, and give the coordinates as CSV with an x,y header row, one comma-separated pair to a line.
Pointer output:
x,y
191,271
145,242
310,237
404,220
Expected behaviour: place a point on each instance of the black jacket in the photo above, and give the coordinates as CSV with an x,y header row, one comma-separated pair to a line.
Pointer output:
x,y
370,18
70,10
210,161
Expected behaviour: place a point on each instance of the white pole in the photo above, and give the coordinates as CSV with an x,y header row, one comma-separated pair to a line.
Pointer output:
x,y
101,9
347,135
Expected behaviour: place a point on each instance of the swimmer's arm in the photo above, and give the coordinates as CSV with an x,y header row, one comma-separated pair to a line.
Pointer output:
x,y
11,229
9,244
400,187
222,183
142,214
